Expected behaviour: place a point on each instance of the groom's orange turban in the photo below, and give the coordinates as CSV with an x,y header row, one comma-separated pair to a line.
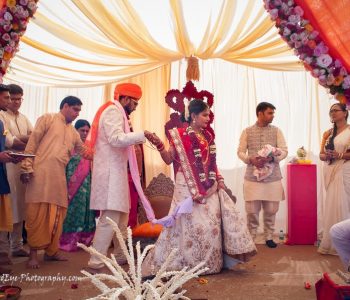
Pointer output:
x,y
127,89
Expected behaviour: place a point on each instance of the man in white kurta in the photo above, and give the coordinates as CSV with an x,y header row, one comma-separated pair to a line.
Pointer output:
x,y
268,192
109,186
19,128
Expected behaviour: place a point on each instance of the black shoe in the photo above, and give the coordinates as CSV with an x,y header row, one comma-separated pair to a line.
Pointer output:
x,y
271,244
149,277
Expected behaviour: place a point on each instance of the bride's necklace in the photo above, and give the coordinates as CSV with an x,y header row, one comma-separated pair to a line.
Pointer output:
x,y
201,138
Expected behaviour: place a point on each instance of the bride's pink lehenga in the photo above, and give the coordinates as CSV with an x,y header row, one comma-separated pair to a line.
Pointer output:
x,y
213,230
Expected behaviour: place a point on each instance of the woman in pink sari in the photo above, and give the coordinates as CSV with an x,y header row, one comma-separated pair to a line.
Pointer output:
x,y
79,224
214,232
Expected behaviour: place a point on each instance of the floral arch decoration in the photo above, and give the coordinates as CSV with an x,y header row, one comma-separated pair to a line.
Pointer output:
x,y
300,35
14,17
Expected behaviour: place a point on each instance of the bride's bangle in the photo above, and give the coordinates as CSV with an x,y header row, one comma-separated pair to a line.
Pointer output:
x,y
160,147
220,179
340,155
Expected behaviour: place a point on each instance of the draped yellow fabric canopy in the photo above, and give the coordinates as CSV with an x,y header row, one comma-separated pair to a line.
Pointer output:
x,y
88,42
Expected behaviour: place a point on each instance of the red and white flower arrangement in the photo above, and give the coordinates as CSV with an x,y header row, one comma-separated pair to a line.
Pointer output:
x,y
176,100
14,17
309,47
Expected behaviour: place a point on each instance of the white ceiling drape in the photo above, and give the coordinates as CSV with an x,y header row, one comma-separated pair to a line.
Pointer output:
x,y
88,43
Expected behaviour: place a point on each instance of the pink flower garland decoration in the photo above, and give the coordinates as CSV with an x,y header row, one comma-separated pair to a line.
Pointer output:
x,y
309,47
14,17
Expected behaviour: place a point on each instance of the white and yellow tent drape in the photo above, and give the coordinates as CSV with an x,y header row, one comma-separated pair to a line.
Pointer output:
x,y
94,42
85,43
83,47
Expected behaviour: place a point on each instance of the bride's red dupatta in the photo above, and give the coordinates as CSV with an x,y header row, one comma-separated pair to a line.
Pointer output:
x,y
187,160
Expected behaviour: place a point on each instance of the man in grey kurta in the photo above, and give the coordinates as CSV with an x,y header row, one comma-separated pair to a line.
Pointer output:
x,y
267,192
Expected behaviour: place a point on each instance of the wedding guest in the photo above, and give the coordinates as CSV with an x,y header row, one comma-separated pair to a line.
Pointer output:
x,y
336,171
79,224
268,192
52,141
340,236
6,222
19,127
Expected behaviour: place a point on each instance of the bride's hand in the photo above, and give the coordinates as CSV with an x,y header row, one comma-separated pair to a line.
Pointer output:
x,y
153,138
148,135
198,198
221,185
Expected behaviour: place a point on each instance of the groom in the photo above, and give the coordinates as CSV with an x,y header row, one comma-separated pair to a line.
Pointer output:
x,y
109,140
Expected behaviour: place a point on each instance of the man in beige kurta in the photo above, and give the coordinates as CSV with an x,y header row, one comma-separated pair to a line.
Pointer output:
x,y
52,141
268,192
19,127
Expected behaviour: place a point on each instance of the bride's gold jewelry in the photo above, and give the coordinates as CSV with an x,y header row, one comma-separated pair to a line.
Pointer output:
x,y
201,138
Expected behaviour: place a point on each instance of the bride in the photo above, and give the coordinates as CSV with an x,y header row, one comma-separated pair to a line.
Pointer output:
x,y
214,231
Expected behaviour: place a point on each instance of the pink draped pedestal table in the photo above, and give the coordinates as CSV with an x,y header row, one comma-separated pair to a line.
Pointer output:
x,y
302,204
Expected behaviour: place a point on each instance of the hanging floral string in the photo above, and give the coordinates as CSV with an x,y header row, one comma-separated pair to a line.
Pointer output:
x,y
309,47
14,17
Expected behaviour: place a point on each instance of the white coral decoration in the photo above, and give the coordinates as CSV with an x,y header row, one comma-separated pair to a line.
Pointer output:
x,y
129,284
